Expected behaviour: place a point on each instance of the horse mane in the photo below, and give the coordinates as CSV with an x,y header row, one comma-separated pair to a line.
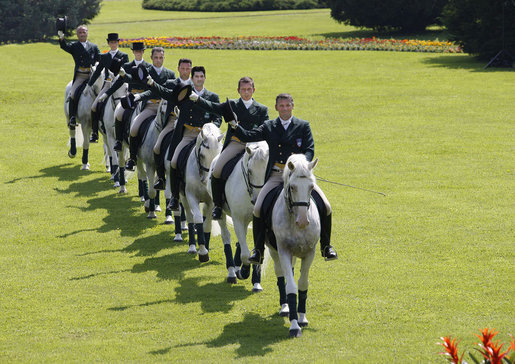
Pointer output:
x,y
210,128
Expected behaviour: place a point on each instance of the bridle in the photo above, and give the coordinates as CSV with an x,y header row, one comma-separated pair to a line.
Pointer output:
x,y
246,177
289,200
201,168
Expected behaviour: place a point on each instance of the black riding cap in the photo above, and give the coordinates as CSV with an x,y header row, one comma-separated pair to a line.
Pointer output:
x,y
60,24
112,36
138,46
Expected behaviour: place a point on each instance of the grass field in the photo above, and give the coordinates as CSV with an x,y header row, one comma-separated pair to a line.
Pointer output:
x,y
86,277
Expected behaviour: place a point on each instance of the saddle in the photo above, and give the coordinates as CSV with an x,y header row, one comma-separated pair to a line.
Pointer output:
x,y
182,160
268,206
78,92
229,166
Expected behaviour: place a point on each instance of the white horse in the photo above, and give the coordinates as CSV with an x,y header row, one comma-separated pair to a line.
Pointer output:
x,y
296,226
208,145
241,190
83,119
146,162
111,104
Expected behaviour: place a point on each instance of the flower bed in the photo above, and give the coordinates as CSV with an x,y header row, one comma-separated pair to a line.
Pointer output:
x,y
296,43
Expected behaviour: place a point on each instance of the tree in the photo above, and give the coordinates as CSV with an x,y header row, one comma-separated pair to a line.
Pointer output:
x,y
482,27
28,20
406,15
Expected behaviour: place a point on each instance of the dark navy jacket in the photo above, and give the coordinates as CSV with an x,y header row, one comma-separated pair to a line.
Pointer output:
x,y
83,57
297,139
105,61
133,85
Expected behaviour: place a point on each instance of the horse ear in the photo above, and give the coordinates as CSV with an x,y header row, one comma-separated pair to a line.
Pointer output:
x,y
248,150
202,133
313,164
291,166
221,137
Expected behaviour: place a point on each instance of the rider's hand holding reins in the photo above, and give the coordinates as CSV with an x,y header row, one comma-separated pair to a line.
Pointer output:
x,y
137,97
122,72
150,81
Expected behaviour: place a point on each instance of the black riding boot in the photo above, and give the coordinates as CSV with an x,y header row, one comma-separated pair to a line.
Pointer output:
x,y
118,132
94,127
258,230
217,188
133,149
328,251
160,170
72,113
175,185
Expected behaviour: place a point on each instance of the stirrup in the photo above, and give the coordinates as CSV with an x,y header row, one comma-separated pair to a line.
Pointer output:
x,y
256,257
329,253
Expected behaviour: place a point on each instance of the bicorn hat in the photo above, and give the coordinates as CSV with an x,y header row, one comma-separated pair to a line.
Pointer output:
x,y
60,23
227,112
181,93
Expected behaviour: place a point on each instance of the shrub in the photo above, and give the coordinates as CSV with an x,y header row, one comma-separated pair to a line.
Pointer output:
x,y
406,15
232,5
27,20
478,25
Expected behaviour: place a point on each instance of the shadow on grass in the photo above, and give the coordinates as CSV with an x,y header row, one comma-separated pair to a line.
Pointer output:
x,y
213,297
66,172
463,61
99,274
146,304
255,335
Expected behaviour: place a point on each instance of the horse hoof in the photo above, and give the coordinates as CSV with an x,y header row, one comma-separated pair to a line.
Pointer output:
x,y
303,323
285,310
168,220
116,184
85,167
178,238
71,155
142,199
152,215
192,249
158,208
203,258
123,189
231,280
257,288
295,333
184,225
244,272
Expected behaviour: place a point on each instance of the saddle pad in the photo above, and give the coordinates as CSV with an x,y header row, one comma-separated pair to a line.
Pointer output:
x,y
229,166
165,143
182,159
145,125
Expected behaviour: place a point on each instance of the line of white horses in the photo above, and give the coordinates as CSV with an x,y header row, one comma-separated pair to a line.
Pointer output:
x,y
242,187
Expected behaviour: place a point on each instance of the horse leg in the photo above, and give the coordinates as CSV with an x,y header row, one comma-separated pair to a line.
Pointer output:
x,y
229,260
85,157
192,249
281,285
73,143
198,220
85,147
303,287
208,220
243,257
151,193
291,291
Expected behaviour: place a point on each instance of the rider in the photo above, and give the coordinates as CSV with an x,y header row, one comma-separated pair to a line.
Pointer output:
x,y
85,54
105,61
190,122
250,114
138,48
285,136
160,74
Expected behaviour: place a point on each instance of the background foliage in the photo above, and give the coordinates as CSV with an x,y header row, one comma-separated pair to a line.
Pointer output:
x,y
406,15
232,5
479,25
26,20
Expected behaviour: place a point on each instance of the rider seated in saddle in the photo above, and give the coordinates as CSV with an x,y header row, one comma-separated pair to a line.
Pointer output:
x,y
138,48
105,62
190,122
250,114
160,75
285,136
85,54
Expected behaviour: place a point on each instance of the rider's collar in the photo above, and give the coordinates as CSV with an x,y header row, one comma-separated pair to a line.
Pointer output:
x,y
247,103
137,63
158,70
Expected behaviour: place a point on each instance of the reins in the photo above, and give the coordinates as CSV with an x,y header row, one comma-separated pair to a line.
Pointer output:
x,y
345,185
246,177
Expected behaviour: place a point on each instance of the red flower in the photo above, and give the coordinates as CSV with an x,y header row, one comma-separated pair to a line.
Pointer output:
x,y
451,350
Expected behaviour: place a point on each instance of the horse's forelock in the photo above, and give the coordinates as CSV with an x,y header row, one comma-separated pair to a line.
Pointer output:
x,y
301,169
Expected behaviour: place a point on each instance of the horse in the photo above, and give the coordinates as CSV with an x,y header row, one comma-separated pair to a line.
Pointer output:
x,y
241,190
108,120
296,228
146,163
207,146
83,117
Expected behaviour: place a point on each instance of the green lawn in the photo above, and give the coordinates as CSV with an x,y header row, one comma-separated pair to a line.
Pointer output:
x,y
86,277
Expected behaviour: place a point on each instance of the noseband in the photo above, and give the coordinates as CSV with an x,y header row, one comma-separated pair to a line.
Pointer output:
x,y
246,177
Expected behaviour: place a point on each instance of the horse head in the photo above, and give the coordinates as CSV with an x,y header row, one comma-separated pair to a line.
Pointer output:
x,y
160,120
298,183
255,160
208,146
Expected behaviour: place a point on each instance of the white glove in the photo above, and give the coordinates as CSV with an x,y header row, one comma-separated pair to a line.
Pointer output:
x,y
150,81
60,33
194,96
102,98
122,72
137,97
233,124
